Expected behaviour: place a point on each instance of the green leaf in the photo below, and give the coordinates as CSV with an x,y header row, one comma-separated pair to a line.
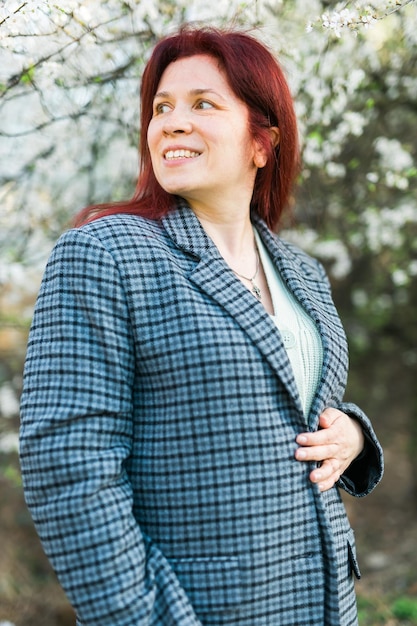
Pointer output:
x,y
405,608
28,75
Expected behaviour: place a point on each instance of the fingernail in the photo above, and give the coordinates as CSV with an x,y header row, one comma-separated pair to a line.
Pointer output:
x,y
301,454
302,439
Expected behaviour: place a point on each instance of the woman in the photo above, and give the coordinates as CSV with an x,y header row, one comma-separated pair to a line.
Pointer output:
x,y
183,422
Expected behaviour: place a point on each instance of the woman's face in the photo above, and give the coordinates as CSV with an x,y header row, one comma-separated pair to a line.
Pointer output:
x,y
198,136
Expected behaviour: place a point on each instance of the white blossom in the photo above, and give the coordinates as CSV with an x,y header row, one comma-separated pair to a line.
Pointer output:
x,y
335,170
400,277
360,16
393,155
360,298
336,252
387,227
337,20
9,405
331,250
9,442
412,268
393,179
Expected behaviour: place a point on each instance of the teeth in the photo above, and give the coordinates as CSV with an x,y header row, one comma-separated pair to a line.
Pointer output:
x,y
180,154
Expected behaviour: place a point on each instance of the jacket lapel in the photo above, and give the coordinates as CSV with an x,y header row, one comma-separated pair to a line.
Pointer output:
x,y
304,281
215,278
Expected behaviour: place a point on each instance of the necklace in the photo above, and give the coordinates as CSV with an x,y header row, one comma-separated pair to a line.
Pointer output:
x,y
255,289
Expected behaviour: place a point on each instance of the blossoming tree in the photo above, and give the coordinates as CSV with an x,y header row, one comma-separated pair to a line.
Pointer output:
x,y
69,78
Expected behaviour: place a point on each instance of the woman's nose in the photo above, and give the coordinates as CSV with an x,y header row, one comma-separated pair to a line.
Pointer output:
x,y
177,122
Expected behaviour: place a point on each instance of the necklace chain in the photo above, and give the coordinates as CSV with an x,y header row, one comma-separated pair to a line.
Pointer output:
x,y
255,289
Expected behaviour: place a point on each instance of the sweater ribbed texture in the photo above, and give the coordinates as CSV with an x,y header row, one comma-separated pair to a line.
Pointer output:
x,y
298,331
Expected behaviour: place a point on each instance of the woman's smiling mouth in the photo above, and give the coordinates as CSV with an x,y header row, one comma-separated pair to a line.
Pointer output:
x,y
180,154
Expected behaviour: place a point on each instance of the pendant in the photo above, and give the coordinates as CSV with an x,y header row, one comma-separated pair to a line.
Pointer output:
x,y
256,291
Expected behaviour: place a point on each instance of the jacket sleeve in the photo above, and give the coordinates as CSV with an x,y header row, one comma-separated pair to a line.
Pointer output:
x,y
366,471
76,431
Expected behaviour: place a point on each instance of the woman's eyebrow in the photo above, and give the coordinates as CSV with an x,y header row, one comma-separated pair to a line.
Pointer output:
x,y
192,92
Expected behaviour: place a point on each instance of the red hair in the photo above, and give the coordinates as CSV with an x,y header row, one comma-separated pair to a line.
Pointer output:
x,y
255,77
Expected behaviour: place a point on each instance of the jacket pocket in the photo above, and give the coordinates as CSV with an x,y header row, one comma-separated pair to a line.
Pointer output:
x,y
353,560
211,584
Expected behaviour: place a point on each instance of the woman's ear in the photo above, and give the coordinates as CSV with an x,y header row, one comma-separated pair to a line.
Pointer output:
x,y
275,135
260,157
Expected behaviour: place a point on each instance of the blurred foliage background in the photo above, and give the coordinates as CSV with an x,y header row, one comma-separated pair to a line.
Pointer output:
x,y
69,83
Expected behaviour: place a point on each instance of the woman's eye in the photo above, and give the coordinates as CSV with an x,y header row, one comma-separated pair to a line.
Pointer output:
x,y
160,108
204,104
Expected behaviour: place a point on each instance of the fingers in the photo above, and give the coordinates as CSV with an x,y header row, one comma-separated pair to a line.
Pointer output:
x,y
329,438
327,475
337,442
316,453
319,438
328,417
330,469
338,436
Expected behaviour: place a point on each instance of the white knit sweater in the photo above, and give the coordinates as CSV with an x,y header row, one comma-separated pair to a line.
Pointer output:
x,y
298,331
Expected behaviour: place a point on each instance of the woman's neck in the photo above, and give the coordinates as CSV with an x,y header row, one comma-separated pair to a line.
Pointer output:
x,y
233,235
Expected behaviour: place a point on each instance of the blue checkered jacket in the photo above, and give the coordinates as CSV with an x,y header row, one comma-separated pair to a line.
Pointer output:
x,y
159,417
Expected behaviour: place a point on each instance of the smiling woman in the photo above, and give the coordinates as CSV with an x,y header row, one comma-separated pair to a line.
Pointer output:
x,y
255,83
184,429
196,113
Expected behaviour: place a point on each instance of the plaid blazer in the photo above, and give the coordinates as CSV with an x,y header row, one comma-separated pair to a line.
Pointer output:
x,y
159,417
